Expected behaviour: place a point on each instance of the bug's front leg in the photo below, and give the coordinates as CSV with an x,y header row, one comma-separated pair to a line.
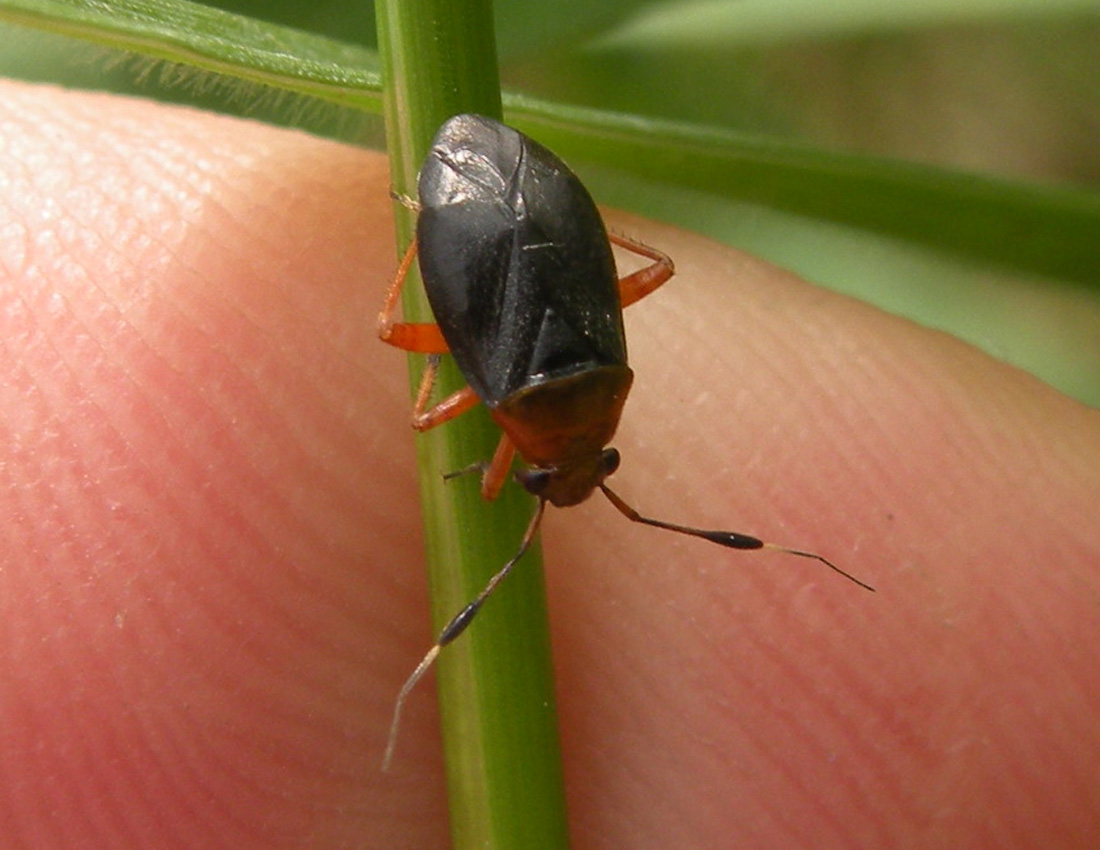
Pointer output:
x,y
496,473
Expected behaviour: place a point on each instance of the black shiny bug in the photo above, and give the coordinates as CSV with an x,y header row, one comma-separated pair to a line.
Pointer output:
x,y
519,272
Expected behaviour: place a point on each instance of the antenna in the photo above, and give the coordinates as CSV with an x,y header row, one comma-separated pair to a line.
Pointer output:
x,y
457,626
730,539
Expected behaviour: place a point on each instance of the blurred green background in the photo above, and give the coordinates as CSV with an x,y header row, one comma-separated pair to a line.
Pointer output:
x,y
1004,87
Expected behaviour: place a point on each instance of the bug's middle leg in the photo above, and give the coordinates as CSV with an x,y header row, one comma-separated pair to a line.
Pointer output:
x,y
425,416
427,339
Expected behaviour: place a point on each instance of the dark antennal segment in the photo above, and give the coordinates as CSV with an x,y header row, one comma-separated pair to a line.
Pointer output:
x,y
730,539
457,626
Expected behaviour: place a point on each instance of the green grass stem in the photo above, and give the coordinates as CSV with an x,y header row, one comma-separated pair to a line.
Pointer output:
x,y
496,681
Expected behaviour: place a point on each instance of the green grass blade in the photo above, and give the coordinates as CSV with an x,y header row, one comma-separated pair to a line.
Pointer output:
x,y
212,40
1046,230
1013,225
496,681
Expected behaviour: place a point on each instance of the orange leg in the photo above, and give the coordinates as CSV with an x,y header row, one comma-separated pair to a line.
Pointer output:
x,y
425,418
409,336
636,286
496,474
424,338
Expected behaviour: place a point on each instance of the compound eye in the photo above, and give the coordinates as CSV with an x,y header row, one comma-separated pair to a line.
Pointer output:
x,y
609,461
534,480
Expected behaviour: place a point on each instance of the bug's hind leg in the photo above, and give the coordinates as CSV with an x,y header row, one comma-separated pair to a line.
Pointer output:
x,y
423,337
639,284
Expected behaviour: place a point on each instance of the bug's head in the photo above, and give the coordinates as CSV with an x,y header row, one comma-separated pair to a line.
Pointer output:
x,y
569,483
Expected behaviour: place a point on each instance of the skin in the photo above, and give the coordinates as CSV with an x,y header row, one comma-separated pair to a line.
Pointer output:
x,y
208,576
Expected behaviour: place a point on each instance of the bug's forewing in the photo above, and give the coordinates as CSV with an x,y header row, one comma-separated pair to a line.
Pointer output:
x,y
515,260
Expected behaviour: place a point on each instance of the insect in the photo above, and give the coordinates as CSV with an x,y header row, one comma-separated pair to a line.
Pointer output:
x,y
519,272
